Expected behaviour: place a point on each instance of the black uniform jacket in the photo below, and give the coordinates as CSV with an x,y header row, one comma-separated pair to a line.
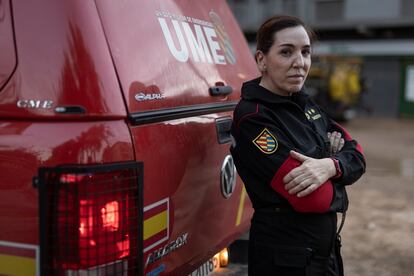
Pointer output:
x,y
266,127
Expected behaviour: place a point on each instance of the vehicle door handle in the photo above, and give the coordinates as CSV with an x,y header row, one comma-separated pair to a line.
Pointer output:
x,y
220,90
223,127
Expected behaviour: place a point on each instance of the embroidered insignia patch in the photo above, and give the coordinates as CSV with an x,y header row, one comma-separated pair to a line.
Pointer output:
x,y
266,142
312,114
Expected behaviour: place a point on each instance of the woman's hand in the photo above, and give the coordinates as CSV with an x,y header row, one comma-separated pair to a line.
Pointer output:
x,y
336,140
306,178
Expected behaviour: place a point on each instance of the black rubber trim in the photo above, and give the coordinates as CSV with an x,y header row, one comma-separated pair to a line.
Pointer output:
x,y
220,90
154,116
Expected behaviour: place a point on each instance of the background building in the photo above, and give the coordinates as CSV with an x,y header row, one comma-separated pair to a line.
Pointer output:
x,y
374,37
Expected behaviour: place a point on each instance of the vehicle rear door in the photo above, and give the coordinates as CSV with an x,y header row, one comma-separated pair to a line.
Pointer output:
x,y
181,65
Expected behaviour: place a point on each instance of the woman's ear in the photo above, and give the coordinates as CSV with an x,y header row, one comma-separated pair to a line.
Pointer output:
x,y
260,60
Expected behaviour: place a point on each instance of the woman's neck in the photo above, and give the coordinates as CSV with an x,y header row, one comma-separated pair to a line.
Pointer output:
x,y
273,89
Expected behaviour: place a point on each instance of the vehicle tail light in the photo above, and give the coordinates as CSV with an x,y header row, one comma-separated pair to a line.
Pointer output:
x,y
91,220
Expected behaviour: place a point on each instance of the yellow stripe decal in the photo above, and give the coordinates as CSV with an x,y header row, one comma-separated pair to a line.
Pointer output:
x,y
155,224
241,206
17,266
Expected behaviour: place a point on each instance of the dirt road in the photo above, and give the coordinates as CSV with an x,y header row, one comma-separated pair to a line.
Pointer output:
x,y
379,231
378,237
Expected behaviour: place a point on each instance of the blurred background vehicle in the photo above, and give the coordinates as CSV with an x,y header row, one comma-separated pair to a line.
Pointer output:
x,y
337,85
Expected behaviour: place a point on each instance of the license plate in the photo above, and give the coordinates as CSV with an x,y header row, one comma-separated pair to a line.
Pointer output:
x,y
207,268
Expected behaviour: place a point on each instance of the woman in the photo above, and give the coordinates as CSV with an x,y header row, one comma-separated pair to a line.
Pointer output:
x,y
295,171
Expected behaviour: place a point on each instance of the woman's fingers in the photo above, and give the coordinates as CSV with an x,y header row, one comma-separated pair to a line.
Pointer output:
x,y
341,144
300,157
300,186
336,140
308,190
294,182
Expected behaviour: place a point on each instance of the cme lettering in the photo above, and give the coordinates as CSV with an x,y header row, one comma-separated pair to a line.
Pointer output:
x,y
44,104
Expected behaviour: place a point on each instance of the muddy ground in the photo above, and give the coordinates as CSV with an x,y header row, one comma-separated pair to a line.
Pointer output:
x,y
378,236
379,231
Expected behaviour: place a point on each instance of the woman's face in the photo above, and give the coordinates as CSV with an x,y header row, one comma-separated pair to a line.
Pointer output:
x,y
286,65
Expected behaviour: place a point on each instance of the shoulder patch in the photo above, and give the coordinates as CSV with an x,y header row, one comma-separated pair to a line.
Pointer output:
x,y
266,142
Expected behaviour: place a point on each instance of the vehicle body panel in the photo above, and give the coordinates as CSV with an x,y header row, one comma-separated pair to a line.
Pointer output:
x,y
26,146
7,49
144,60
197,206
63,61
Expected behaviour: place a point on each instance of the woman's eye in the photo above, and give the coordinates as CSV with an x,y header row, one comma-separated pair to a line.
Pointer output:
x,y
286,52
306,52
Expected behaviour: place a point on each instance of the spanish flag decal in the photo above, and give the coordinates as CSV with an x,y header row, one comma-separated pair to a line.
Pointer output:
x,y
18,259
266,142
156,224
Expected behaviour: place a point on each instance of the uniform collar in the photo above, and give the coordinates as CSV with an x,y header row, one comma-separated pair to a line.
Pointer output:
x,y
251,90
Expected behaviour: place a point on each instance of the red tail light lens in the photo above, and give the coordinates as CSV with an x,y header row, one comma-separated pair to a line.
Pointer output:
x,y
92,221
110,216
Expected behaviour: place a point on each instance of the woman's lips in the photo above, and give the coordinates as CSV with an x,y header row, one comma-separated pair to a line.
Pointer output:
x,y
296,77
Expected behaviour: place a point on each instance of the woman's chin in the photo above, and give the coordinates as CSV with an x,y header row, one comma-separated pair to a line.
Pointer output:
x,y
295,88
294,91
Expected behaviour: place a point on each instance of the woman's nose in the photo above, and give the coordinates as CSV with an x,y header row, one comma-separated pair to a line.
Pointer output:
x,y
298,61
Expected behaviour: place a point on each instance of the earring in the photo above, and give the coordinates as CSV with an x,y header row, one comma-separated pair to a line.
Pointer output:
x,y
264,68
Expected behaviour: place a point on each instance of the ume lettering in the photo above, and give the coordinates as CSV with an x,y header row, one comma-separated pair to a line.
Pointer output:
x,y
202,42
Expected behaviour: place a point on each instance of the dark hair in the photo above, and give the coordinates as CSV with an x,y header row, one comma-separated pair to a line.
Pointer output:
x,y
266,33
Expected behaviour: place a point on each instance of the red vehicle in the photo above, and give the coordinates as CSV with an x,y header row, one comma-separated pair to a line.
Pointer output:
x,y
114,136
